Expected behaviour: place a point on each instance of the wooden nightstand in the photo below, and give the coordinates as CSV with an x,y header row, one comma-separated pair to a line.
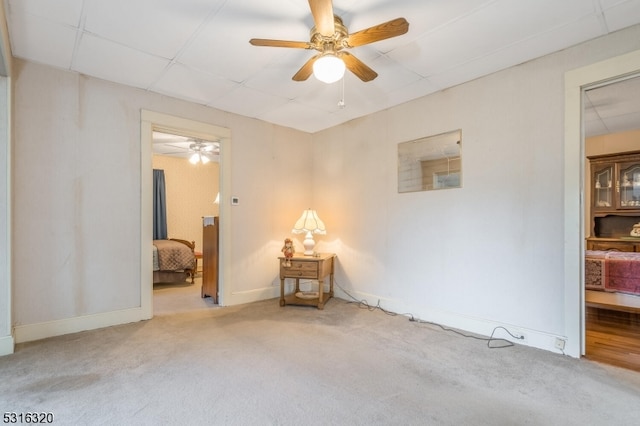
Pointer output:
x,y
311,268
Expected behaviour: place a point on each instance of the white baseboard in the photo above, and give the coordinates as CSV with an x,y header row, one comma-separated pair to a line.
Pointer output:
x,y
6,345
480,326
250,296
43,330
264,293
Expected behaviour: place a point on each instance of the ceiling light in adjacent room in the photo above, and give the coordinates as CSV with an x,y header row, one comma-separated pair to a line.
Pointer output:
x,y
199,158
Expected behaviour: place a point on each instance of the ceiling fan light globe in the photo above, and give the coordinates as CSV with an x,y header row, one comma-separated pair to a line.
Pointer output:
x,y
194,158
328,69
204,159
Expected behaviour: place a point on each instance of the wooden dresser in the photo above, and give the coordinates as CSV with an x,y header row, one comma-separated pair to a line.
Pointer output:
x,y
615,201
210,255
310,268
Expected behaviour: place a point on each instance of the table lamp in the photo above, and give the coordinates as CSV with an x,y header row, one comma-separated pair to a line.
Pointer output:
x,y
309,223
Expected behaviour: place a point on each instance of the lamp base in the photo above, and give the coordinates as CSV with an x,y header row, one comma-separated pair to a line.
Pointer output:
x,y
308,244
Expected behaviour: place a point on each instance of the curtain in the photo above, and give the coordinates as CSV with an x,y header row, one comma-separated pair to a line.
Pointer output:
x,y
159,206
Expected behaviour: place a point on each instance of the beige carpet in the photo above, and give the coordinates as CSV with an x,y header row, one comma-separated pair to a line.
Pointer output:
x,y
260,364
184,297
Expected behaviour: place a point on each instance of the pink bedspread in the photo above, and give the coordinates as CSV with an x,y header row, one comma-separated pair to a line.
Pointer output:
x,y
612,271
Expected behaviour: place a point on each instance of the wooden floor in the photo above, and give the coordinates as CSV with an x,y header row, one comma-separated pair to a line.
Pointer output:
x,y
613,337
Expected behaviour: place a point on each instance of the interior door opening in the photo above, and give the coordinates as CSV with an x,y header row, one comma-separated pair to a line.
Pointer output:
x,y
611,117
163,123
187,199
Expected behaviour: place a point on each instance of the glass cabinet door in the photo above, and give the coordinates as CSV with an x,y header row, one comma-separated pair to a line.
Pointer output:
x,y
603,187
629,185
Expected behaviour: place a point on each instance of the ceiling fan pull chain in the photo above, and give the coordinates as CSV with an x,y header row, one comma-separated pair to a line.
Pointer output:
x,y
341,102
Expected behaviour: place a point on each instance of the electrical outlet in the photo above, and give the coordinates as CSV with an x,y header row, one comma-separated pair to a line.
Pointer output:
x,y
560,343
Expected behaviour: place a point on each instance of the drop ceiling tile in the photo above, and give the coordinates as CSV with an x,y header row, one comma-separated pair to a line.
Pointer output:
x,y
615,106
158,27
272,14
622,15
412,91
391,74
423,16
608,4
67,12
487,30
517,53
232,55
615,99
325,97
276,76
624,123
293,113
193,85
595,128
247,102
43,41
110,61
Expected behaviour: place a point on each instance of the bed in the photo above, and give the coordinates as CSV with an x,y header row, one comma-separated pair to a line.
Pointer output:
x,y
173,261
612,271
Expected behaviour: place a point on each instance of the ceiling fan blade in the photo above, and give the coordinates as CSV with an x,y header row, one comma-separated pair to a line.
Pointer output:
x,y
379,32
280,43
356,66
174,153
322,11
306,70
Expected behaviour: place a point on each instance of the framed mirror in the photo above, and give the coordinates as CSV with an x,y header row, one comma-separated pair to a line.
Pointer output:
x,y
432,162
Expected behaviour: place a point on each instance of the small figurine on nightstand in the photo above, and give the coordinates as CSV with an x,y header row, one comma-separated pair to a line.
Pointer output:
x,y
288,251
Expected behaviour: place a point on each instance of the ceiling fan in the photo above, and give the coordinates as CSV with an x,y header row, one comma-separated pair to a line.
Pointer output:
x,y
196,150
202,151
330,37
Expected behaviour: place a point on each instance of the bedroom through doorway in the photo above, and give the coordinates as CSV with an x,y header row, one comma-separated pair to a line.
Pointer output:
x,y
150,122
186,193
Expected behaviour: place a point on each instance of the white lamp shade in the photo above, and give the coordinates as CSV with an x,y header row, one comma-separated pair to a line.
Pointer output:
x,y
328,68
309,223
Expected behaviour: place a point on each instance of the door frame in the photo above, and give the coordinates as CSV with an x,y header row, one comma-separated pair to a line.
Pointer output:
x,y
154,121
576,81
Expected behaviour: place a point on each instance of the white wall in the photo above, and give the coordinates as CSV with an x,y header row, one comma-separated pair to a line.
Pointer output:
x,y
77,177
488,254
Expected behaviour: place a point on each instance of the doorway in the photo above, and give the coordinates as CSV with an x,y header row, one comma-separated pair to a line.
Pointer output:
x,y
190,168
611,114
575,83
162,123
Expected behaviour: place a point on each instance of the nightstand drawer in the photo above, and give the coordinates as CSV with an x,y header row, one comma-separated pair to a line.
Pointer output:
x,y
300,270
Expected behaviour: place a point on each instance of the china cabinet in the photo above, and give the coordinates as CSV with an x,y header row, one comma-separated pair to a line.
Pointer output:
x,y
615,201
